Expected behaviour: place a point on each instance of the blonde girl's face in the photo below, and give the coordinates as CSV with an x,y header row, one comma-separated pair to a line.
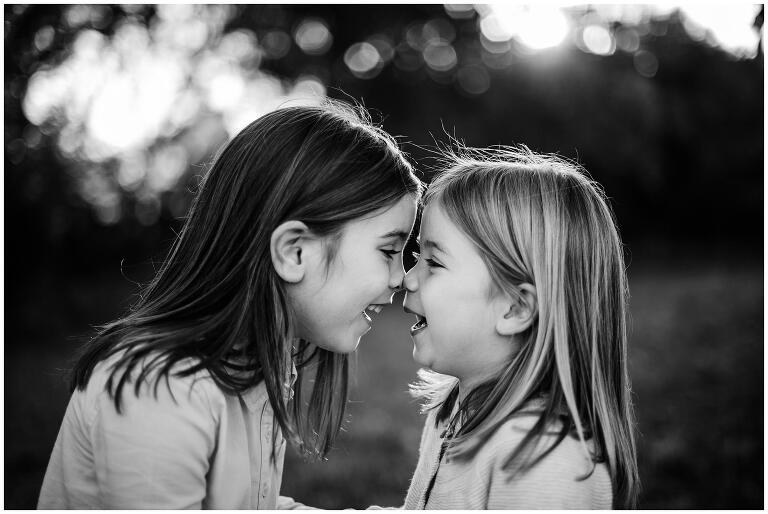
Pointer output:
x,y
336,309
449,291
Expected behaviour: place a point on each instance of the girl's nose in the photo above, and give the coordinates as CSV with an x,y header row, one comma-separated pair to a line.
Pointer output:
x,y
396,279
410,282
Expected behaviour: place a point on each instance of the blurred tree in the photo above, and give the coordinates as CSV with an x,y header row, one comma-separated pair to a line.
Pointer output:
x,y
112,112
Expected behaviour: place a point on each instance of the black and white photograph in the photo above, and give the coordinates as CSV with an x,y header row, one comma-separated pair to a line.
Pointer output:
x,y
339,256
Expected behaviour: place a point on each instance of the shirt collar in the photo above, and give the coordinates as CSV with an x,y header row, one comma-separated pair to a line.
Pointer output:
x,y
255,397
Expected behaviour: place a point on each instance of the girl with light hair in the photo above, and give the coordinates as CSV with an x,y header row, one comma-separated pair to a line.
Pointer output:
x,y
520,295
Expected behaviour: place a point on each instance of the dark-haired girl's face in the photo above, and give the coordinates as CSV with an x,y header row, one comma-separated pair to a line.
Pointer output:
x,y
333,310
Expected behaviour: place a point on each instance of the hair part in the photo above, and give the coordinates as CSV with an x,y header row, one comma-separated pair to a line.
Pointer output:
x,y
217,297
540,219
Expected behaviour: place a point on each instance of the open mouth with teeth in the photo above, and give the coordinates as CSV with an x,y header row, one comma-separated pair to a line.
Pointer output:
x,y
370,311
420,324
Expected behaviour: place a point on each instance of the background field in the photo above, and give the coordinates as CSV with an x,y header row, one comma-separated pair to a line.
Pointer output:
x,y
696,362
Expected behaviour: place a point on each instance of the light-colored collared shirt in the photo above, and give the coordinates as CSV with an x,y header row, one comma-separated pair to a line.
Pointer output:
x,y
191,447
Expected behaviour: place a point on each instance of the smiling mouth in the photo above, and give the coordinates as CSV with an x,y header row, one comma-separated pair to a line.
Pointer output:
x,y
372,310
420,324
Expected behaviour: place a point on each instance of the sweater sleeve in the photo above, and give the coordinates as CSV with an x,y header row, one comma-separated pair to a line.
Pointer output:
x,y
156,453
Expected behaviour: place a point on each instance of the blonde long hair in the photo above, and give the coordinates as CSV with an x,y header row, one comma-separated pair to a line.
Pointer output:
x,y
540,219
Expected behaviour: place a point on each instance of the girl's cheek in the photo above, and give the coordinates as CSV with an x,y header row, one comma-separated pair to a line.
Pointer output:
x,y
430,297
376,277
395,265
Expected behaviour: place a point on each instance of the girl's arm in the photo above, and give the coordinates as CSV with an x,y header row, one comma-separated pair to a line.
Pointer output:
x,y
156,453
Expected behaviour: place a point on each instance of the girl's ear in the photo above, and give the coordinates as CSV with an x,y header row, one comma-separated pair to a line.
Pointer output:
x,y
520,314
286,246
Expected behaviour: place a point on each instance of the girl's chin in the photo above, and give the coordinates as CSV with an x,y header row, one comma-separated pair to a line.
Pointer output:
x,y
420,359
342,343
351,343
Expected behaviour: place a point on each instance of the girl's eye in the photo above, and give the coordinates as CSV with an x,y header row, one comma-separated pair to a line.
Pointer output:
x,y
390,253
430,262
433,263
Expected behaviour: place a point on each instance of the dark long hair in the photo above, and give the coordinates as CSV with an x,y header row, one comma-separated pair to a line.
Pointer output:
x,y
217,298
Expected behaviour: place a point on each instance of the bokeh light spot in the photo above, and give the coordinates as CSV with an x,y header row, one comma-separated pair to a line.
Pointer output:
x,y
494,30
438,29
414,36
498,61
15,150
100,16
240,44
76,16
32,136
44,38
384,46
646,63
276,44
598,40
167,165
131,171
308,86
495,47
147,209
175,12
406,58
535,26
460,11
362,59
440,56
729,27
313,36
473,79
543,27
627,39
226,89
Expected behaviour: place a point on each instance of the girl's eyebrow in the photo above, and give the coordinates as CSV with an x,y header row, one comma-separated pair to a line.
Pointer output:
x,y
396,233
431,244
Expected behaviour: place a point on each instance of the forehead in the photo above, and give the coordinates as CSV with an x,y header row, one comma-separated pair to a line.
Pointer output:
x,y
437,227
397,218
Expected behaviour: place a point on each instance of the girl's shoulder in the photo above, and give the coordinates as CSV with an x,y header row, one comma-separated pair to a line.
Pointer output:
x,y
563,474
563,471
173,384
510,434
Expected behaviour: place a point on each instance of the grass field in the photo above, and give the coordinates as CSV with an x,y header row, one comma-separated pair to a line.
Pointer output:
x,y
696,360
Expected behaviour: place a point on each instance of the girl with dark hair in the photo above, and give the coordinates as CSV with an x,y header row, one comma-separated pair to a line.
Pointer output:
x,y
290,248
520,298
